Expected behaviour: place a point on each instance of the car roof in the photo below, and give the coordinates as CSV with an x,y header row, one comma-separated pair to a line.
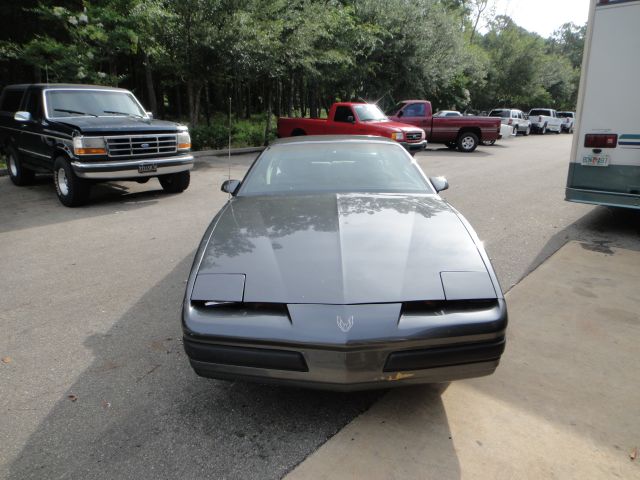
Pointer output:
x,y
64,85
333,139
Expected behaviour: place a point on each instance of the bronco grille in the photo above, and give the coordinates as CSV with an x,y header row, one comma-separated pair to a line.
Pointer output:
x,y
139,145
414,136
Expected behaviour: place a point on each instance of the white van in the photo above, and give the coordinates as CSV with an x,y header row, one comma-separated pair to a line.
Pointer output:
x,y
605,157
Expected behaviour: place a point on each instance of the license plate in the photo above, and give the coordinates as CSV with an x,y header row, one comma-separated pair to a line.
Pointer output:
x,y
147,167
595,160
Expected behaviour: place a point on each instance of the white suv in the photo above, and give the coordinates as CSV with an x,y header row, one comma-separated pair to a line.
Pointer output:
x,y
545,119
513,117
568,120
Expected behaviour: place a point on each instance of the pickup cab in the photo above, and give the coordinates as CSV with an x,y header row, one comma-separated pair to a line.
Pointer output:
x,y
545,120
463,133
85,134
349,118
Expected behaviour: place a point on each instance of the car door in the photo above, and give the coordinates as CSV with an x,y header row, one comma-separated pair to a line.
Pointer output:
x,y
343,121
415,114
33,144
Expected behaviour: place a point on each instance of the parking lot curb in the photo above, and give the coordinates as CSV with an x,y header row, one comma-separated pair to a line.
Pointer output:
x,y
234,151
562,404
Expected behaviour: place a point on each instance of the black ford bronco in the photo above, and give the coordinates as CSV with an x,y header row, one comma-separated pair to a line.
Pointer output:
x,y
85,134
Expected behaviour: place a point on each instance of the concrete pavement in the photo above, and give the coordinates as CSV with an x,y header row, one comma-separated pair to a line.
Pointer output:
x,y
563,403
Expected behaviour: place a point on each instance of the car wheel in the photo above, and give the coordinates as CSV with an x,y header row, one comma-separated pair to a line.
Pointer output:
x,y
543,130
18,174
467,142
527,131
175,182
451,145
72,191
515,130
559,130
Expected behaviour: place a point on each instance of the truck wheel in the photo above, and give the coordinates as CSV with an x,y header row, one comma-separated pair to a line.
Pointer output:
x,y
175,182
298,132
543,130
527,131
451,145
72,191
18,174
467,142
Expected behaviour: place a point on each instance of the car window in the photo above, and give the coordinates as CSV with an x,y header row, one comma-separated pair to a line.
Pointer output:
x,y
11,100
415,110
334,167
395,109
565,114
369,113
343,113
540,111
499,113
34,104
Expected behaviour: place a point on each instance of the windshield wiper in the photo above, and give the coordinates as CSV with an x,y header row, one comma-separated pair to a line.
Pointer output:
x,y
74,111
135,115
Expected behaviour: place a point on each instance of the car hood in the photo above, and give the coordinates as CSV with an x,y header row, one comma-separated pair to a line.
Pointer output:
x,y
340,248
118,125
393,125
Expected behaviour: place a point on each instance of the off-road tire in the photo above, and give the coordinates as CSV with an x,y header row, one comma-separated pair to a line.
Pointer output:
x,y
175,182
18,174
72,191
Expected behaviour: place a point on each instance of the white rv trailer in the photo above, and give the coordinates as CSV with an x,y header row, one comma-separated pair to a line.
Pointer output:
x,y
605,156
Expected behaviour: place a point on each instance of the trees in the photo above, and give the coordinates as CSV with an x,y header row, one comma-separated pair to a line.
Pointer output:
x,y
186,58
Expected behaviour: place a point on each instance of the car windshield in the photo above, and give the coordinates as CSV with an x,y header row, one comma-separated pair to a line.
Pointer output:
x,y
396,108
95,103
539,111
369,113
336,167
500,113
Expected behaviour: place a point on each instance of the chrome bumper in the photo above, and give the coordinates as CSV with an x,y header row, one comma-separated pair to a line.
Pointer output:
x,y
123,169
417,146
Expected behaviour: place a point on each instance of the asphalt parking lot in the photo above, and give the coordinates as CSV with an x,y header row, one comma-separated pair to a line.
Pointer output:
x,y
95,382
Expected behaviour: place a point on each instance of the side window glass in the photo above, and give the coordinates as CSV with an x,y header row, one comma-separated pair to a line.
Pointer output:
x,y
342,114
34,105
415,110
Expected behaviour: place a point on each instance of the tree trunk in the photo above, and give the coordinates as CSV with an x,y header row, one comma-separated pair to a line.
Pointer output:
x,y
179,101
290,97
151,92
207,101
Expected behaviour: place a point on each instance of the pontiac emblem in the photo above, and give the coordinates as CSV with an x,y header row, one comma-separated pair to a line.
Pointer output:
x,y
345,325
145,145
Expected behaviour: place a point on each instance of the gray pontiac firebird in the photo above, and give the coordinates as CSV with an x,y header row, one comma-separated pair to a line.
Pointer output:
x,y
335,264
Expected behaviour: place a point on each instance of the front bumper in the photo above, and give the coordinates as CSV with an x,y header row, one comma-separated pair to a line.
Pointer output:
x,y
124,169
414,146
414,349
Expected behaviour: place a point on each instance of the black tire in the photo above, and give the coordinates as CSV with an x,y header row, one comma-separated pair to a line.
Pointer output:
x,y
467,142
18,174
543,130
451,145
175,182
71,190
298,132
527,131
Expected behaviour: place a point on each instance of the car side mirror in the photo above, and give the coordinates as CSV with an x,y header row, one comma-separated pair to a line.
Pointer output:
x,y
439,183
150,115
22,117
230,186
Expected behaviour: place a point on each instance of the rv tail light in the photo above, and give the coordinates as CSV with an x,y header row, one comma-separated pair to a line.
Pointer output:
x,y
601,140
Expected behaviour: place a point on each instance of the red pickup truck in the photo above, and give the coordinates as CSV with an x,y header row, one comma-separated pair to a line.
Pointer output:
x,y
347,118
463,133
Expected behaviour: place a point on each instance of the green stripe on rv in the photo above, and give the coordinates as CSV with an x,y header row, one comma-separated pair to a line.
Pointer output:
x,y
629,136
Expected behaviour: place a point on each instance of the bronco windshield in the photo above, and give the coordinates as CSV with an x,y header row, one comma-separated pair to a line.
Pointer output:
x,y
339,167
93,103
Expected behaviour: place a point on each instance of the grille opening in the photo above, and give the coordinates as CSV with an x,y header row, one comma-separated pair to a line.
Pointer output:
x,y
440,307
141,145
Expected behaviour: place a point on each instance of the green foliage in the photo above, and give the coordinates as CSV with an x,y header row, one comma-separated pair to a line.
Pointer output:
x,y
279,56
244,133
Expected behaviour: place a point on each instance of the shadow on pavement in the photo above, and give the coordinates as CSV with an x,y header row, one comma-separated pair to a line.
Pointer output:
x,y
142,413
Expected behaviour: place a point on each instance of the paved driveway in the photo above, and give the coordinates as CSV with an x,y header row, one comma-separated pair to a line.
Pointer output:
x,y
96,384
